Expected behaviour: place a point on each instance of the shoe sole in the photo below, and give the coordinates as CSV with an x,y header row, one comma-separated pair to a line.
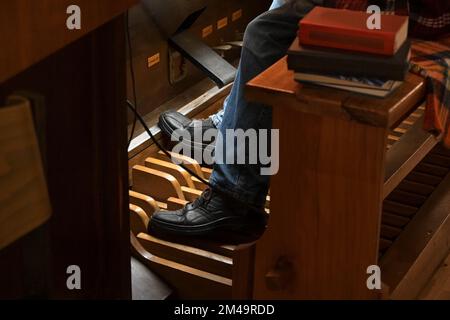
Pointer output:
x,y
234,224
165,127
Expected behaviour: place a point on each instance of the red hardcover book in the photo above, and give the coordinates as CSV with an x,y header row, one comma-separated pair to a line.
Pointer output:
x,y
347,29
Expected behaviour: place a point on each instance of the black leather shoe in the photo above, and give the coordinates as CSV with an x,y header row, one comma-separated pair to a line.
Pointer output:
x,y
210,213
171,122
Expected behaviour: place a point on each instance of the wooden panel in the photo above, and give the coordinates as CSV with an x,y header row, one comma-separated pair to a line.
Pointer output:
x,y
24,200
84,90
331,236
32,30
243,271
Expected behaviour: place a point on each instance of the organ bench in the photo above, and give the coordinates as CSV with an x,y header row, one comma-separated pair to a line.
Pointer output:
x,y
344,171
360,184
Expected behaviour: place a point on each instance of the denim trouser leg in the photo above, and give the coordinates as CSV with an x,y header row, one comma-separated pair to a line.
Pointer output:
x,y
218,117
277,3
266,40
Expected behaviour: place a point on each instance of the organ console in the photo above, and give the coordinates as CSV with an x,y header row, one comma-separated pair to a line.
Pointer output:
x,y
361,184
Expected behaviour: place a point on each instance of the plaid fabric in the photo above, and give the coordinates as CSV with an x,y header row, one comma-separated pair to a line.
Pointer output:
x,y
429,19
431,60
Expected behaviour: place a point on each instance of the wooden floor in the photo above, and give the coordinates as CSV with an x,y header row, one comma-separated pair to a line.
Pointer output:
x,y
438,287
145,284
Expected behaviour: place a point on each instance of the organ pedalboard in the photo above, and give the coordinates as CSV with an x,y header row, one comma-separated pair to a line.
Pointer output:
x,y
204,264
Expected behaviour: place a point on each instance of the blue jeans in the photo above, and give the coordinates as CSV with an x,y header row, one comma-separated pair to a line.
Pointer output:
x,y
218,117
266,41
277,3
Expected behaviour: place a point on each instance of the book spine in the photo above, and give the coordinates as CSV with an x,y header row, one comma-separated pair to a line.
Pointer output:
x,y
352,40
316,66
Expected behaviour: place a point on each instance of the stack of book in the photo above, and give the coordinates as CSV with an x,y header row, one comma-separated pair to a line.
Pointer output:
x,y
335,48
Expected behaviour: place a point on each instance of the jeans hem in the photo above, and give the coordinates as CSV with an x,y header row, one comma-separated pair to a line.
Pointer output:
x,y
253,199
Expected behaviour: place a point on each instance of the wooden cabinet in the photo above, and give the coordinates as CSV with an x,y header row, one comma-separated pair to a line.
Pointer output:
x,y
79,77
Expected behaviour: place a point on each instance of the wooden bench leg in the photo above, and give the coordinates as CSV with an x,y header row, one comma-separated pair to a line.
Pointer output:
x,y
325,209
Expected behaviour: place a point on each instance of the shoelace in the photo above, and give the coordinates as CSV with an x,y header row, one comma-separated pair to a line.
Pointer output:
x,y
204,198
